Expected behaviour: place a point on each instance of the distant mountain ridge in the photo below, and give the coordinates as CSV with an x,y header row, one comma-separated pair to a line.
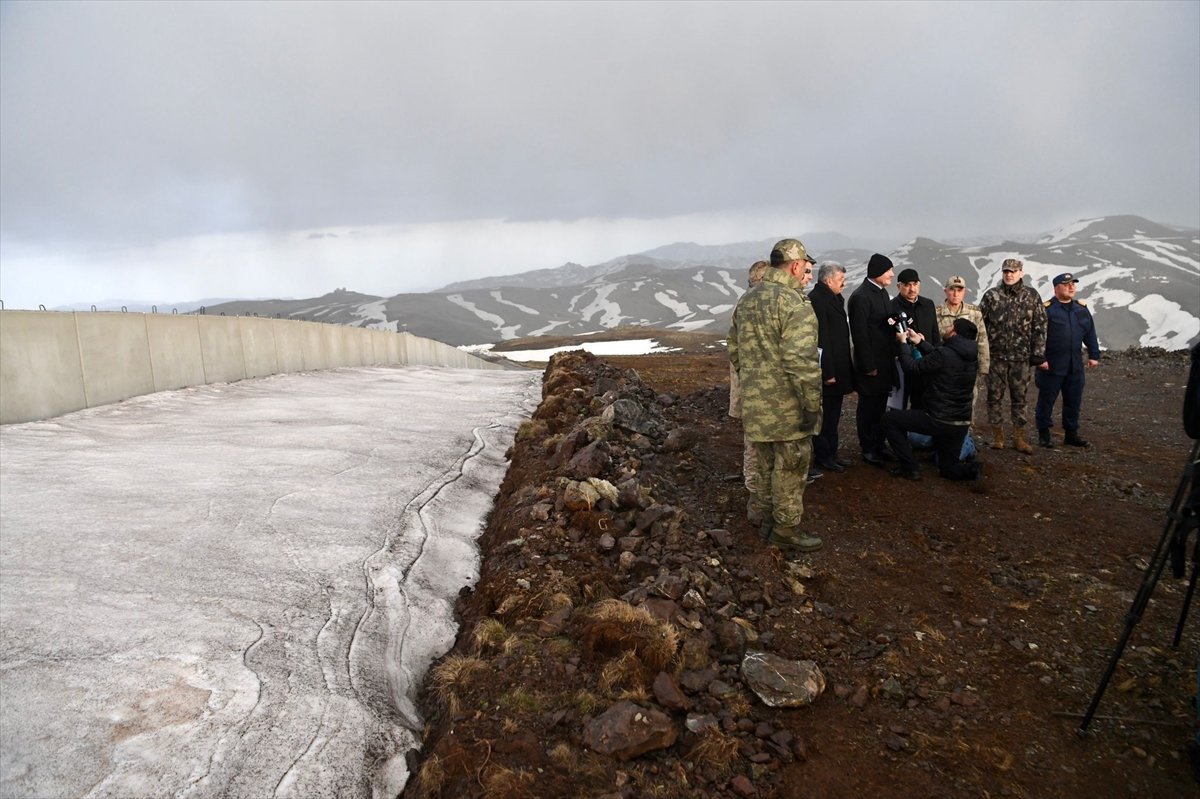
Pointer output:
x,y
1140,278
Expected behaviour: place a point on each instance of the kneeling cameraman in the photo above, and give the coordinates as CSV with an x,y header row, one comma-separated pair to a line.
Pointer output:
x,y
949,374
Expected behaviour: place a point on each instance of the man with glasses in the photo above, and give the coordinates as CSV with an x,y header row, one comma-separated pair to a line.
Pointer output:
x,y
773,346
1016,325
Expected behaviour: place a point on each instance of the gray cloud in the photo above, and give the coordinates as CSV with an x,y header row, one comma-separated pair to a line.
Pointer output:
x,y
137,122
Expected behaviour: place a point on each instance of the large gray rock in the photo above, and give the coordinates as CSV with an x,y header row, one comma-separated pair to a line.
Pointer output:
x,y
627,730
780,682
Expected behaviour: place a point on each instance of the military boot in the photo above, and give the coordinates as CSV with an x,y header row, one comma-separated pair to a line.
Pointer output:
x,y
1019,442
1072,439
1044,438
753,514
998,437
792,538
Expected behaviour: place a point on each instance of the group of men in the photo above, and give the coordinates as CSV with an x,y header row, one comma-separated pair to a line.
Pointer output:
x,y
916,368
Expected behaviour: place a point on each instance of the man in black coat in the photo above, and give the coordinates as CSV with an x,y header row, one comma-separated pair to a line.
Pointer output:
x,y
922,317
949,372
874,339
837,371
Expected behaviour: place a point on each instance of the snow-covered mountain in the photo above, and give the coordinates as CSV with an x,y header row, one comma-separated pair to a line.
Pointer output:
x,y
1141,279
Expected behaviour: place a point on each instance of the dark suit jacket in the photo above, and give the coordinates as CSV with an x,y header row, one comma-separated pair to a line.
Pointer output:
x,y
923,316
874,339
833,337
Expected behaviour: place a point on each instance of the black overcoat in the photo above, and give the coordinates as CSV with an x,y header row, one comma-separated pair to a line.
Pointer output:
x,y
833,337
874,339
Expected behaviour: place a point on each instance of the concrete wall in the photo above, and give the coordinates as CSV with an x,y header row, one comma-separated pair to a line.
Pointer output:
x,y
53,363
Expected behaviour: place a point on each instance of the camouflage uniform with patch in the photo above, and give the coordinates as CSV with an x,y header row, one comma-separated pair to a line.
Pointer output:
x,y
773,346
749,459
1016,326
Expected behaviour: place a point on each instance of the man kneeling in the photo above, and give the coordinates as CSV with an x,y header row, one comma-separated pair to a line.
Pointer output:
x,y
949,373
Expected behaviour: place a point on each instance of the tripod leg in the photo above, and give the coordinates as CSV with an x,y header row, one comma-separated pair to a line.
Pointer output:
x,y
1187,597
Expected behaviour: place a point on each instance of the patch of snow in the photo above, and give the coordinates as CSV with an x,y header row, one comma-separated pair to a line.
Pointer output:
x,y
1067,231
506,332
734,285
1168,325
475,348
641,346
719,287
610,312
699,276
525,308
694,324
668,299
719,309
1170,259
1110,298
541,331
372,311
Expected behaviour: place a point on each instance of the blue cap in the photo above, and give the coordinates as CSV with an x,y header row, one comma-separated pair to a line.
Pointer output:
x,y
1065,277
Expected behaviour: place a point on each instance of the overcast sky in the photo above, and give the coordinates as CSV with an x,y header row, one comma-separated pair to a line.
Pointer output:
x,y
174,151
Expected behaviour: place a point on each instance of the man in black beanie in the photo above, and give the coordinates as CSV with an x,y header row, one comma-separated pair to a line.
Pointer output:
x,y
869,309
949,372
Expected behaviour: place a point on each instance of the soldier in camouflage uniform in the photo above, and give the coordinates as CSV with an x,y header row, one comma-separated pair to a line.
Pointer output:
x,y
749,461
956,306
773,348
1016,327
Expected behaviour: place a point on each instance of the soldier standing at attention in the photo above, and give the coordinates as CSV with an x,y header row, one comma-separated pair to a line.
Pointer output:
x,y
1069,327
773,347
956,306
1016,326
875,348
749,467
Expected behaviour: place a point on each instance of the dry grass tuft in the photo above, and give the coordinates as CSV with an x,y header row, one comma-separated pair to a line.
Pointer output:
x,y
563,756
531,428
503,783
456,673
430,779
716,750
615,626
490,634
621,672
587,702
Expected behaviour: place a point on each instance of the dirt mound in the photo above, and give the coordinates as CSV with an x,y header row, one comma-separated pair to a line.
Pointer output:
x,y
614,644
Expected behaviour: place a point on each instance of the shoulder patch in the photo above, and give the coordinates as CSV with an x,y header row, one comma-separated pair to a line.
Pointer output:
x,y
1046,304
1081,303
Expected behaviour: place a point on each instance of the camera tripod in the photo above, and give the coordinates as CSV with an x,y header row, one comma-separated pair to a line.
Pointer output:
x,y
1182,519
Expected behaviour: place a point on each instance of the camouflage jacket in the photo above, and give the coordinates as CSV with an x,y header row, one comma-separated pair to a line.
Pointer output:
x,y
1016,323
946,317
773,347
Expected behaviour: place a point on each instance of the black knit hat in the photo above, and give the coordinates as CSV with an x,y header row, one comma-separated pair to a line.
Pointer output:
x,y
908,276
878,265
965,328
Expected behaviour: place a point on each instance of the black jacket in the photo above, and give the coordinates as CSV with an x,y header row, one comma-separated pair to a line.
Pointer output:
x,y
833,337
874,339
949,372
922,317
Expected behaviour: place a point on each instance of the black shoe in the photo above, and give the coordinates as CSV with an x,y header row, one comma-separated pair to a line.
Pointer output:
x,y
873,459
1044,438
845,464
886,455
830,466
1072,439
907,474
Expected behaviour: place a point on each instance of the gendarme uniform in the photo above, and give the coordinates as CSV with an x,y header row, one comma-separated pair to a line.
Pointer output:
x,y
1069,328
773,346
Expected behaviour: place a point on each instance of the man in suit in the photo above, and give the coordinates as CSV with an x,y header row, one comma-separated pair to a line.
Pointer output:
x,y
922,317
837,370
1069,328
870,307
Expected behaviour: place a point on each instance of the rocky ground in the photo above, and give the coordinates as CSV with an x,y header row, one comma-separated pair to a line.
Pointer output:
x,y
952,635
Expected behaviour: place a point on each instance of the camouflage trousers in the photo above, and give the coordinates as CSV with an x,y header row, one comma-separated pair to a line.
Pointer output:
x,y
782,478
749,465
1013,376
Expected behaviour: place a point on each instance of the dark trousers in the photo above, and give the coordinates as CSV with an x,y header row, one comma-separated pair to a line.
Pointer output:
x,y
869,420
947,442
825,444
1049,387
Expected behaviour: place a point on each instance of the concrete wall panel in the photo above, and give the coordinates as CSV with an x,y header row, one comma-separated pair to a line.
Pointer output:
x,y
115,354
289,345
175,359
221,346
258,346
40,373
54,363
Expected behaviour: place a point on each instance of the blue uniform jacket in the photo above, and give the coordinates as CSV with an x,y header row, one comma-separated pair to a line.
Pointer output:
x,y
1069,327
